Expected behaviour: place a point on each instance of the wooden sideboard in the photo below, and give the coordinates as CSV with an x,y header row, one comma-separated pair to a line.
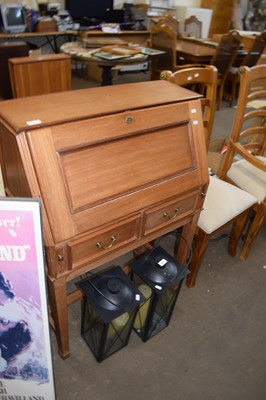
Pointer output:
x,y
96,37
116,167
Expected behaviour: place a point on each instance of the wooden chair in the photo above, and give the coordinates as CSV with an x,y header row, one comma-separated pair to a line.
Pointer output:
x,y
204,80
217,213
193,26
224,58
166,20
248,141
172,21
224,205
40,75
163,37
250,60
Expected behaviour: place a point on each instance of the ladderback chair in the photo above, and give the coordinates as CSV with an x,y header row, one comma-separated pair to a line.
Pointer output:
x,y
40,75
225,204
248,142
249,60
193,26
203,80
224,58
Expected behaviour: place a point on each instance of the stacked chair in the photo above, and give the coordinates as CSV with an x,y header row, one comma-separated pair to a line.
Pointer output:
x,y
232,198
224,58
244,164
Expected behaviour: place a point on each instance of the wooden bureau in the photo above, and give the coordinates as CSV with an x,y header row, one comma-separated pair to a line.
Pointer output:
x,y
115,167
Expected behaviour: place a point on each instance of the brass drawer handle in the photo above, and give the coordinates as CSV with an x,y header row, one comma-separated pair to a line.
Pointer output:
x,y
129,119
101,246
173,216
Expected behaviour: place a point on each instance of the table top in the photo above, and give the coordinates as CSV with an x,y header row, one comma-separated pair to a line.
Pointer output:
x,y
77,51
195,48
36,34
199,50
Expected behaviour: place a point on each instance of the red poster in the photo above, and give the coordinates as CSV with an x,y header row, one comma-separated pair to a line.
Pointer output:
x,y
25,352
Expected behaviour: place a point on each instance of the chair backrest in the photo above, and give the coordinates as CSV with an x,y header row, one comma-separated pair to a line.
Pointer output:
x,y
248,136
255,51
203,80
226,52
40,75
172,21
193,26
163,37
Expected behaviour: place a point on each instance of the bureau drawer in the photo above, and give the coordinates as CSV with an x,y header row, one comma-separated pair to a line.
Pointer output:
x,y
83,250
169,212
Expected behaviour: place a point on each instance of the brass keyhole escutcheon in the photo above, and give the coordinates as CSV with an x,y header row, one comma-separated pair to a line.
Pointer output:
x,y
129,119
60,257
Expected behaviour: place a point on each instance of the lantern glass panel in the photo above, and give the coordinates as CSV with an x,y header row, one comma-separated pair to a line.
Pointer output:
x,y
108,312
159,272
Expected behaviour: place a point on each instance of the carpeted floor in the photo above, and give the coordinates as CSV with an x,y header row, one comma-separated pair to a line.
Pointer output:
x,y
214,347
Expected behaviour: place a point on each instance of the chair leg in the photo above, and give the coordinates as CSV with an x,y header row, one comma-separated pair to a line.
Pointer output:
x,y
237,231
252,233
201,243
220,95
233,91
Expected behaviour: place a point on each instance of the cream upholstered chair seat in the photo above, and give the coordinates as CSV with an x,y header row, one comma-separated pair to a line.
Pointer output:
x,y
249,178
224,204
248,141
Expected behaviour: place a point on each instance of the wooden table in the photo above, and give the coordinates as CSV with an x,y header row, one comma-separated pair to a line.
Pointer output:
x,y
194,51
199,51
50,37
80,53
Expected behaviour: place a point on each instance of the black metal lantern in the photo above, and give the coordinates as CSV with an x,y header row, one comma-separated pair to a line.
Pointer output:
x,y
159,278
108,311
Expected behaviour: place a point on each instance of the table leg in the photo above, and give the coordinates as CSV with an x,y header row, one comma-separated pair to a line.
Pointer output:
x,y
106,75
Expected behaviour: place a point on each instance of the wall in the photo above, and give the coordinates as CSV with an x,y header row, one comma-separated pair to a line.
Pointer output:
x,y
117,3
188,3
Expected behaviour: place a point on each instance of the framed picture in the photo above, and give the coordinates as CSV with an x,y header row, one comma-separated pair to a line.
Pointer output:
x,y
151,52
109,56
25,350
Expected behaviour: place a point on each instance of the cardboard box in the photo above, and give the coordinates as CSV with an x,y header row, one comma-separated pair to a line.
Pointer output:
x,y
46,25
216,152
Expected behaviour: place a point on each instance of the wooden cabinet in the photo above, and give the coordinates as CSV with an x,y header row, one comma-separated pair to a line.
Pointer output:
x,y
222,15
115,167
40,75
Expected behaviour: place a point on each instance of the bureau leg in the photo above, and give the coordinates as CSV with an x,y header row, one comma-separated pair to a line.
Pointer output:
x,y
59,314
188,231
